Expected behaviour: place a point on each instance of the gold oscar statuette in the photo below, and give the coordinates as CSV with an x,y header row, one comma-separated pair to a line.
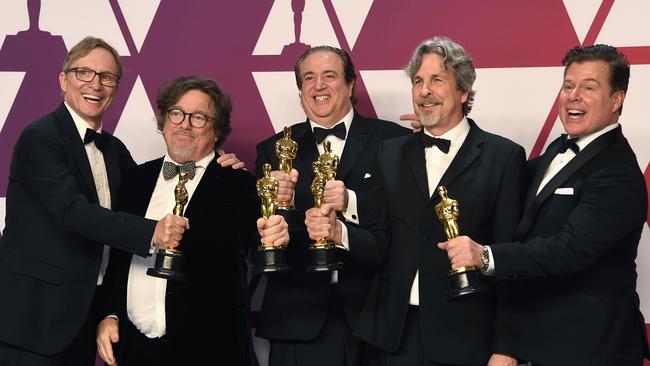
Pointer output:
x,y
323,252
268,257
464,282
286,150
170,263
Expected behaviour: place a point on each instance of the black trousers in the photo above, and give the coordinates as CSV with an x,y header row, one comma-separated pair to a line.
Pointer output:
x,y
333,346
82,351
410,351
136,349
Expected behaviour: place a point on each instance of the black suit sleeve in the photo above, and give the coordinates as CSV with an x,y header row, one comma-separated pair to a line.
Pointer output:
x,y
611,206
42,166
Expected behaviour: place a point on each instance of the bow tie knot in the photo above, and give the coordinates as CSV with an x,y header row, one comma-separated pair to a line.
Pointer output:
x,y
100,139
568,143
428,141
170,170
321,133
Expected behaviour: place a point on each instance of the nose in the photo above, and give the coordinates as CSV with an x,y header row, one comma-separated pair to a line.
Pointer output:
x,y
425,91
95,83
320,83
185,123
574,95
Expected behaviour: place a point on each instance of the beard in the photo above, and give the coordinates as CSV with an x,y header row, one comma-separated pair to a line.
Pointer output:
x,y
428,120
182,152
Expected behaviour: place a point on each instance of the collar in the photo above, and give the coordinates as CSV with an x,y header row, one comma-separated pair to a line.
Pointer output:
x,y
201,163
583,141
458,133
347,120
79,122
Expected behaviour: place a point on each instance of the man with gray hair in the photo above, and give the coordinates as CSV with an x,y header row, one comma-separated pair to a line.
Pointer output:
x,y
406,315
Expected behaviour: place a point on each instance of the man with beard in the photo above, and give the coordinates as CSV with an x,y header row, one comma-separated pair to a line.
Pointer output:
x,y
406,315
170,322
63,181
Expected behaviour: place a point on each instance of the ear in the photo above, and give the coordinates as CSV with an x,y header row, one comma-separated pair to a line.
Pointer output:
x,y
62,81
464,97
619,97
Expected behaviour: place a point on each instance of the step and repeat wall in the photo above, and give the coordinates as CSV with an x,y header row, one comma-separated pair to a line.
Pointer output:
x,y
250,47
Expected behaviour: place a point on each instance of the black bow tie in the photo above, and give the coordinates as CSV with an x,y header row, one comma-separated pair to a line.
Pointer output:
x,y
100,139
428,141
568,143
321,133
170,170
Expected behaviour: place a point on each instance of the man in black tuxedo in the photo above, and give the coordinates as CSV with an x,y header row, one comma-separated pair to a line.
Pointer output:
x,y
64,177
406,315
167,322
308,317
568,279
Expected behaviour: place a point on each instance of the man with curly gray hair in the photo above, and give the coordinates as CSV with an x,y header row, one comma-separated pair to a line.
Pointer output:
x,y
407,316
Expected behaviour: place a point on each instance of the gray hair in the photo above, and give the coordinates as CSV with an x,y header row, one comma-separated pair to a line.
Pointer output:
x,y
454,57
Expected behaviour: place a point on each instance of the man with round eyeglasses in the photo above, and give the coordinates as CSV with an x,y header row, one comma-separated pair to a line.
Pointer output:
x,y
153,321
63,181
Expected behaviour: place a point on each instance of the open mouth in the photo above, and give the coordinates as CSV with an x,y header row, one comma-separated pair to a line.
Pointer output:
x,y
321,98
574,113
91,98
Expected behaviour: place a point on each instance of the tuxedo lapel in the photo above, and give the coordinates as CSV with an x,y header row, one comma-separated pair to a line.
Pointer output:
x,y
354,144
205,190
466,155
307,150
415,157
585,155
112,162
77,151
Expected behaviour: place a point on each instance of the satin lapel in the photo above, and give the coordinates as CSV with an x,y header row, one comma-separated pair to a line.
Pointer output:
x,y
307,150
354,143
112,162
469,152
147,183
206,186
589,152
415,157
77,151
546,159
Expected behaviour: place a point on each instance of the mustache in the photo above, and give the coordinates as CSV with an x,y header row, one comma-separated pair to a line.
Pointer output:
x,y
422,101
185,133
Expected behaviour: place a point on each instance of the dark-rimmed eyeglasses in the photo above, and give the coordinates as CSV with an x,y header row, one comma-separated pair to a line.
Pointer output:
x,y
197,120
87,75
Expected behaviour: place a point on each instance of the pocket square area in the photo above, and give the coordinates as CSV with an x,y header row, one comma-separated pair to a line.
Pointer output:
x,y
367,175
564,191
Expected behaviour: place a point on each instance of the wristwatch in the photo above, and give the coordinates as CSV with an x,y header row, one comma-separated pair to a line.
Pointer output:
x,y
485,258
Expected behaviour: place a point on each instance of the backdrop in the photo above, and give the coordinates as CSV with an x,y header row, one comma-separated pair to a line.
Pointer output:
x,y
250,46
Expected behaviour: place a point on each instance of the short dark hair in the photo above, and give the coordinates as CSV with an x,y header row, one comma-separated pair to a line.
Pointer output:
x,y
172,91
348,67
85,46
619,67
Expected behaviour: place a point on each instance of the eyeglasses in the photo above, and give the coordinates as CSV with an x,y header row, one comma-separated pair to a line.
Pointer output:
x,y
87,75
197,120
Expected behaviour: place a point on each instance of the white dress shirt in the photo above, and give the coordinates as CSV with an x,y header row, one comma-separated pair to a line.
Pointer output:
x,y
437,163
100,177
145,300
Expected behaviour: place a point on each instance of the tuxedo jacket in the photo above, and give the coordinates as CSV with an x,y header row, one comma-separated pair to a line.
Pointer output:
x,y
206,316
487,178
55,232
295,303
570,291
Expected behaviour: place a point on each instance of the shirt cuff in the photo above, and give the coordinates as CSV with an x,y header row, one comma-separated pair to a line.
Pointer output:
x,y
113,316
352,214
345,242
490,269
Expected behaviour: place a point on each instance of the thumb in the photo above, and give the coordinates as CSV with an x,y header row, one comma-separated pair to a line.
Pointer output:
x,y
220,152
443,245
115,337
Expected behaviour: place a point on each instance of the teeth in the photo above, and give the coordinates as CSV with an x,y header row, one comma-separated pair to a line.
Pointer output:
x,y
90,96
575,112
320,98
